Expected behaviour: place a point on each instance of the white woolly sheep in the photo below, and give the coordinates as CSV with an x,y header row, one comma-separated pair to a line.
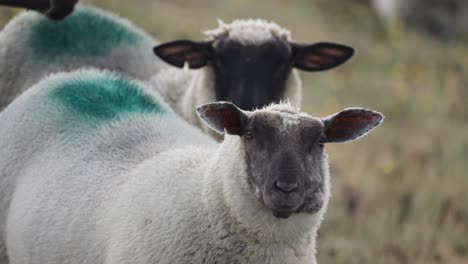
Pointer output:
x,y
248,62
33,46
98,169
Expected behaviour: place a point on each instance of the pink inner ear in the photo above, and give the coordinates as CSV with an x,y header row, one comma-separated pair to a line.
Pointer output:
x,y
228,119
194,58
321,56
325,56
312,64
314,57
316,61
177,53
186,52
333,52
351,125
174,51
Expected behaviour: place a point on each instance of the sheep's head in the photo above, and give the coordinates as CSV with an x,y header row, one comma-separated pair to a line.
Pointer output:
x,y
252,60
286,164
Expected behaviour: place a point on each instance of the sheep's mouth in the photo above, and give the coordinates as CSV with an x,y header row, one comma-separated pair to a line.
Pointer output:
x,y
304,208
286,211
283,215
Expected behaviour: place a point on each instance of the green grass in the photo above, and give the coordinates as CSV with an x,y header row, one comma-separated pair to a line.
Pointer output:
x,y
400,194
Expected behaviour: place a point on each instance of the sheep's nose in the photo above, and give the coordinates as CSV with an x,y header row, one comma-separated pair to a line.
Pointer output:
x,y
286,187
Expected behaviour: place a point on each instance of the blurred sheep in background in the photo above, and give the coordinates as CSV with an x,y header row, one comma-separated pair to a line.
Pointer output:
x,y
441,18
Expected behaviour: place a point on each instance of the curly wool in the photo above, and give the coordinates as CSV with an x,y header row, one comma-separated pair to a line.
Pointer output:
x,y
249,31
33,47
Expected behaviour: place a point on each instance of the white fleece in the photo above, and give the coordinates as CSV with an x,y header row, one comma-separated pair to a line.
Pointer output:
x,y
21,66
138,188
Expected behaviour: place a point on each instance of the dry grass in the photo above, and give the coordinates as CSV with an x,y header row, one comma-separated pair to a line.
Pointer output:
x,y
400,195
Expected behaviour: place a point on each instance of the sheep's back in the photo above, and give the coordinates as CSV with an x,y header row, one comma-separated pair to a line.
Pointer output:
x,y
67,144
34,46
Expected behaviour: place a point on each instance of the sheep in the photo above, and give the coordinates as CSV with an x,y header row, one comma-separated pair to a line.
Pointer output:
x,y
249,62
97,168
446,19
33,46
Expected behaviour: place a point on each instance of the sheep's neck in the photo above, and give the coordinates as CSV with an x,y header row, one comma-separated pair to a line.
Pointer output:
x,y
199,91
221,193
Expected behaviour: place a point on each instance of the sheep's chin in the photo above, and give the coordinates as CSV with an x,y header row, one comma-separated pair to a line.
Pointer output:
x,y
281,211
283,215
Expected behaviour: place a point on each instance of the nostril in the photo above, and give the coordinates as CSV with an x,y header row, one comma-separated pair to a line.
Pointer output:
x,y
286,187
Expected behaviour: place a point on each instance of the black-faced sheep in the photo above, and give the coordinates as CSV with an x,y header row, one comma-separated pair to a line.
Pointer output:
x,y
248,62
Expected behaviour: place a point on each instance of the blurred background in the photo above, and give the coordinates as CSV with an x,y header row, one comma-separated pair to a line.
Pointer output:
x,y
401,194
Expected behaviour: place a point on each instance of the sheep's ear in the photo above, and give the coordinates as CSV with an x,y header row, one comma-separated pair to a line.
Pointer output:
x,y
176,53
349,124
54,9
33,5
320,56
60,9
224,116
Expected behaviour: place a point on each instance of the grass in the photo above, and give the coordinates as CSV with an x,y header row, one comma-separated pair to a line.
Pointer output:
x,y
399,195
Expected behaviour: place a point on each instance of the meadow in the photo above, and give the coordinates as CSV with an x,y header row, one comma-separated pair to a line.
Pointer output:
x,y
401,194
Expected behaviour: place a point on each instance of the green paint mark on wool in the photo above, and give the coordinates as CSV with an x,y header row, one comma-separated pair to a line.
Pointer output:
x,y
87,32
103,98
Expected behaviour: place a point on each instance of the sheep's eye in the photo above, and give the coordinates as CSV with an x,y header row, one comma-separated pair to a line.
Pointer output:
x,y
248,135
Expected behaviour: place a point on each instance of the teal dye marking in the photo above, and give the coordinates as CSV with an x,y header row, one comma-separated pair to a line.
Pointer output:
x,y
101,98
86,32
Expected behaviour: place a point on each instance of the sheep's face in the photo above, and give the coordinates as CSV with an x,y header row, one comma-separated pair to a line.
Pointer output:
x,y
251,75
284,157
285,161
252,60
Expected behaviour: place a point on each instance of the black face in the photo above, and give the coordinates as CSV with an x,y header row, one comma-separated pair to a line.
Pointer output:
x,y
251,76
285,162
